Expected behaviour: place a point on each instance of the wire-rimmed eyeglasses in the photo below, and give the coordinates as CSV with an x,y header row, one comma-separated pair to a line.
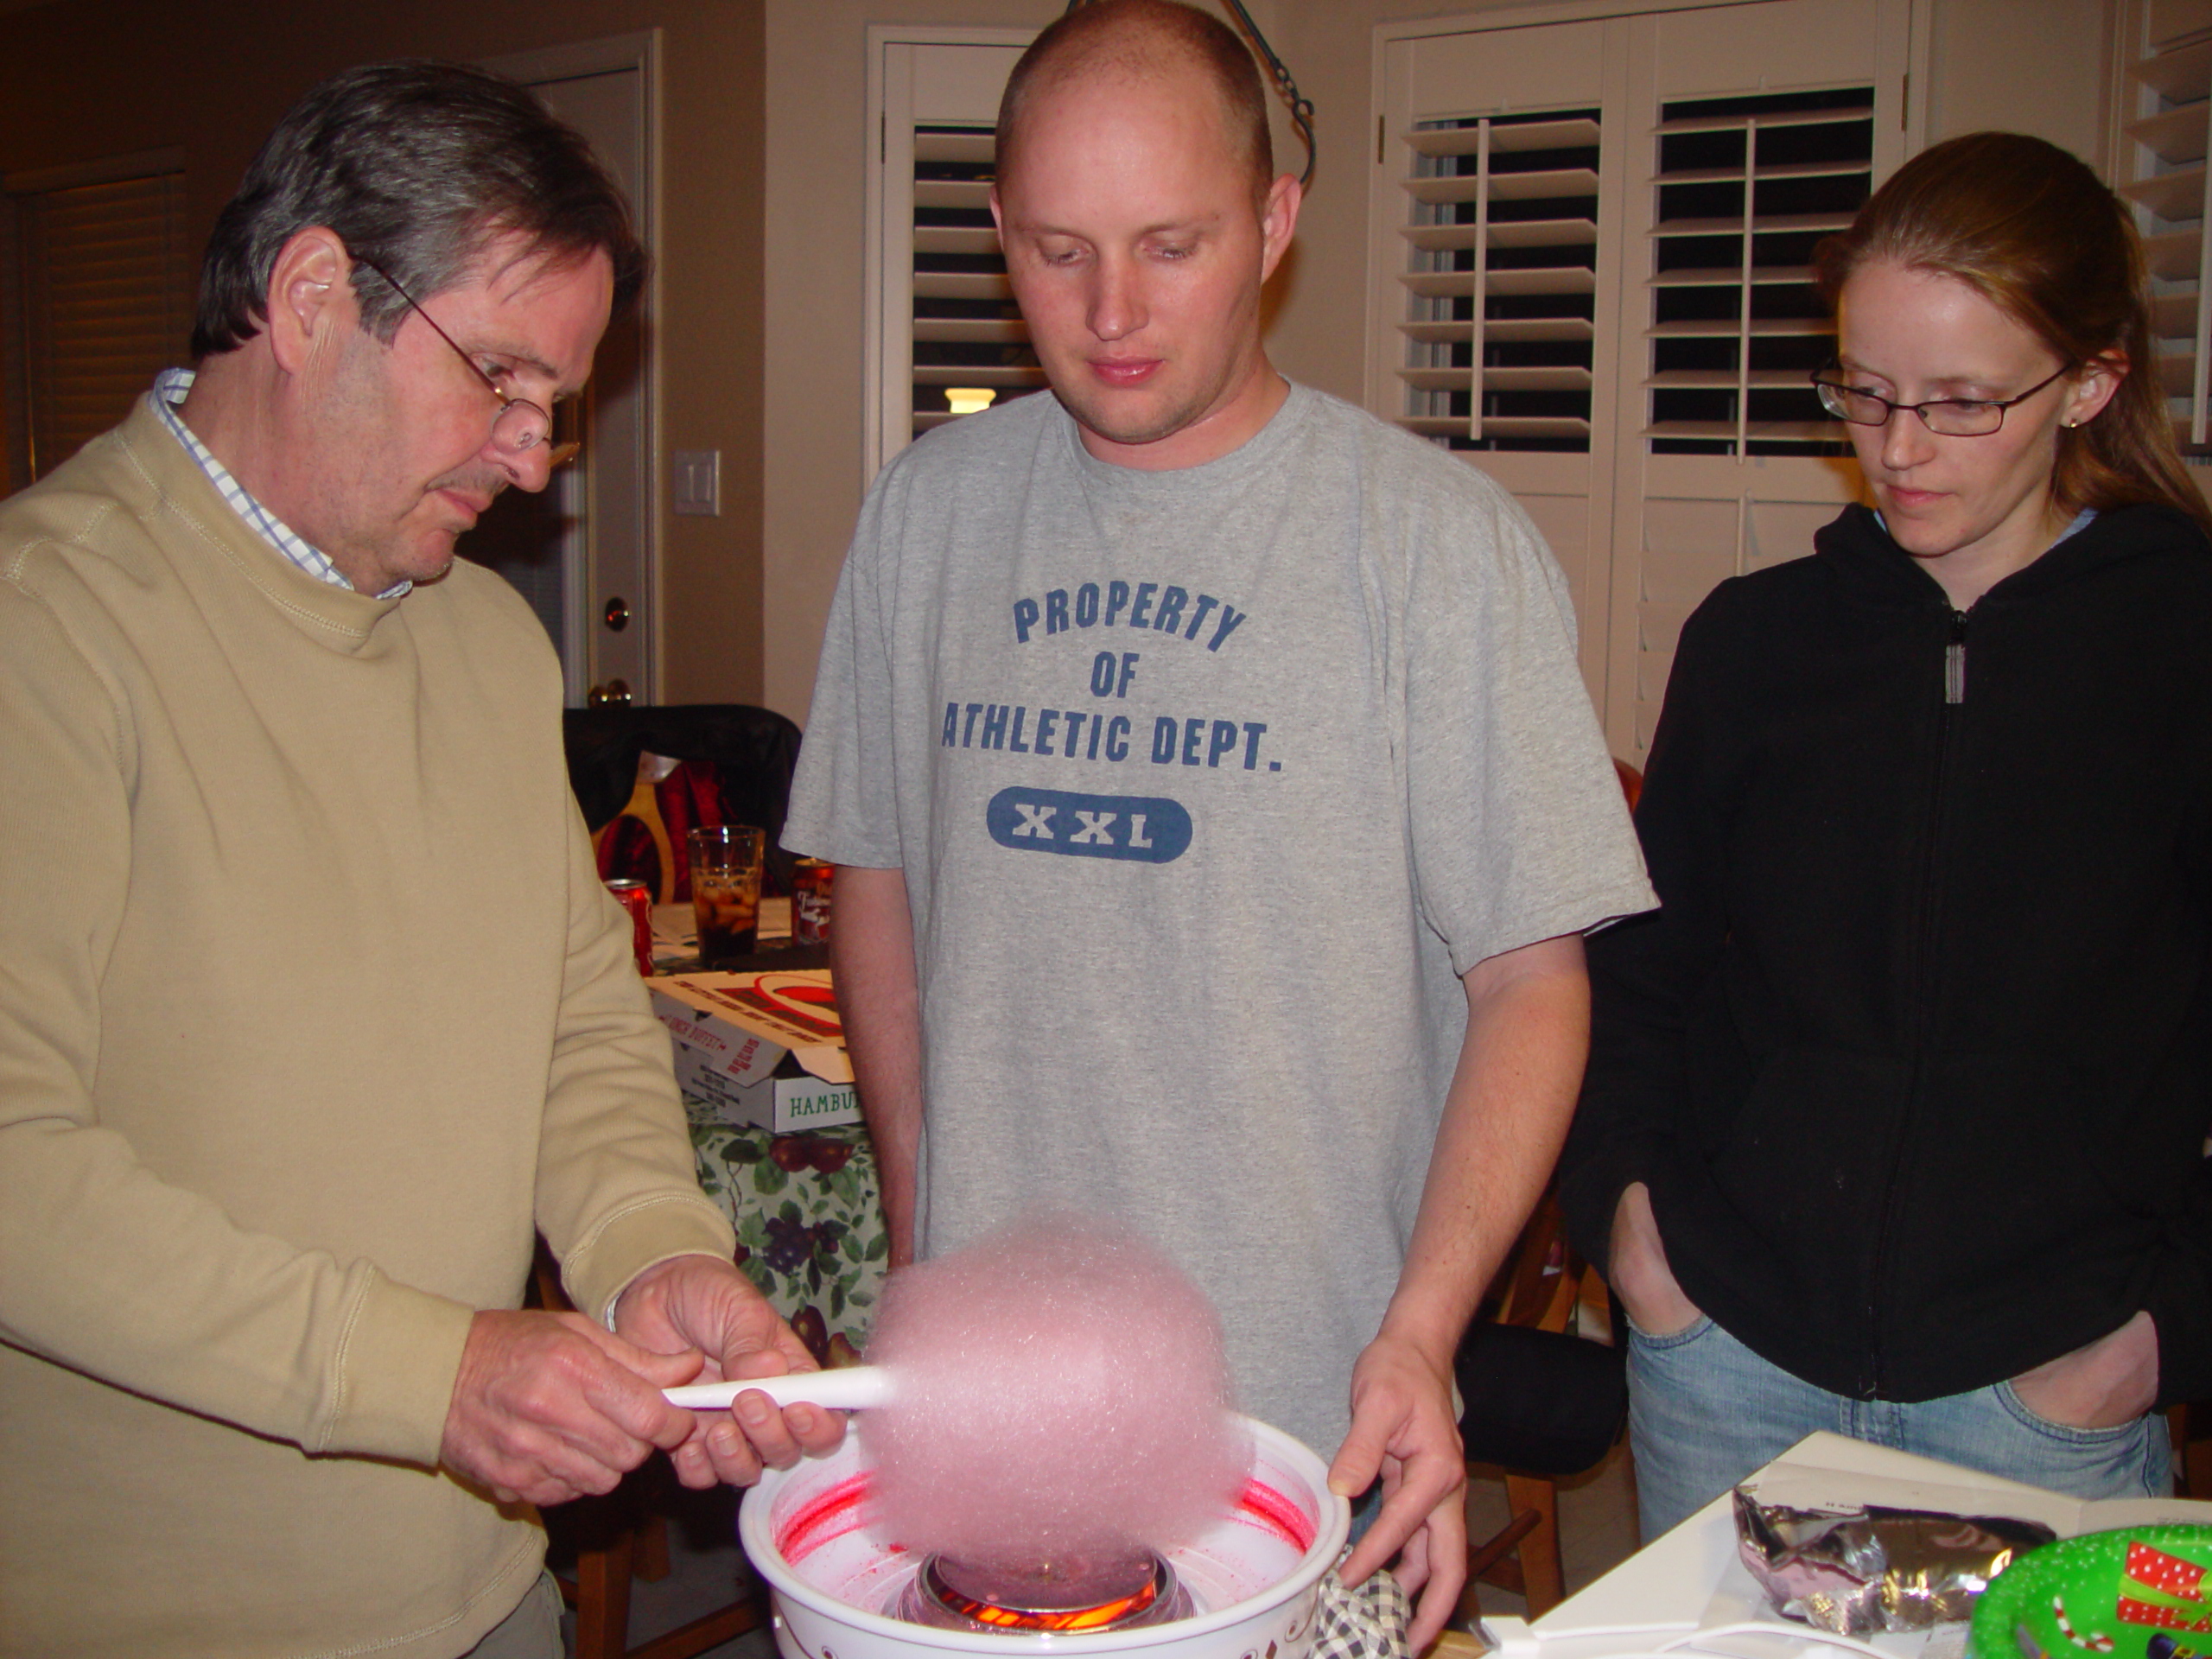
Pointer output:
x,y
520,425
1951,417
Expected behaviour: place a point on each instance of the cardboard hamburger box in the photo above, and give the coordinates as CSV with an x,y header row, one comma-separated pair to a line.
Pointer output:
x,y
765,1047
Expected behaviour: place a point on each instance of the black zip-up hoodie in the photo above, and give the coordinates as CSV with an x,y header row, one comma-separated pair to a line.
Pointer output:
x,y
1917,1055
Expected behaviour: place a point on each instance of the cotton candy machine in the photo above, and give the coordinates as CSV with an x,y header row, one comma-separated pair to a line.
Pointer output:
x,y
1243,1588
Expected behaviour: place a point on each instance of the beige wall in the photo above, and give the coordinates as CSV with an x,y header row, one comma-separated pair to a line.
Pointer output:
x,y
817,155
79,81
2033,64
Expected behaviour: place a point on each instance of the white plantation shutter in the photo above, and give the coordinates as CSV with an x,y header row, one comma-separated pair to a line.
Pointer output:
x,y
966,330
942,315
104,283
1501,279
1746,188
1588,258
1493,263
2165,52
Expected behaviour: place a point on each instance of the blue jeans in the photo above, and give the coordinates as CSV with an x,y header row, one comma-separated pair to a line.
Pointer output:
x,y
1705,1411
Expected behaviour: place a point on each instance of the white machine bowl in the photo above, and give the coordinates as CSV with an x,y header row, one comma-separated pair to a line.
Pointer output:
x,y
1252,1576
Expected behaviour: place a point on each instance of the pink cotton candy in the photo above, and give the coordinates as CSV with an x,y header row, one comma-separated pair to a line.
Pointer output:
x,y
1061,1393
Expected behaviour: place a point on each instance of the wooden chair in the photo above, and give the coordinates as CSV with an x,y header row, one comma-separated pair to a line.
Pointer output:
x,y
644,805
735,766
1540,1405
635,1545
620,1537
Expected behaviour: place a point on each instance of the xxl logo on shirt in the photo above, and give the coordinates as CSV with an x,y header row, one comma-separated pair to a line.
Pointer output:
x,y
1147,828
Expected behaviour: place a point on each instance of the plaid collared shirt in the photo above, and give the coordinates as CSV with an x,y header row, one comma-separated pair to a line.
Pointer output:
x,y
169,389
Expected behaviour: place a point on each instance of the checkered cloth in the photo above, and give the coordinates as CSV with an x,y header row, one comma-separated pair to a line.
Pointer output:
x,y
1368,1623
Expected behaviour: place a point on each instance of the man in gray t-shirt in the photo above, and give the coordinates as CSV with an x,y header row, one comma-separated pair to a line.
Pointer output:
x,y
1218,803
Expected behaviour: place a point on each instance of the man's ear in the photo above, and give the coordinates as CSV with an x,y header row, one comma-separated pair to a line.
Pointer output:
x,y
310,296
1278,222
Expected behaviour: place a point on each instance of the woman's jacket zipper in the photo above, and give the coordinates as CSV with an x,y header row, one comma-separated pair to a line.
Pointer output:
x,y
1920,989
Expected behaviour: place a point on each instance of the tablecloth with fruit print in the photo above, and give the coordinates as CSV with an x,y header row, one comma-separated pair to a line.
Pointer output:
x,y
809,1223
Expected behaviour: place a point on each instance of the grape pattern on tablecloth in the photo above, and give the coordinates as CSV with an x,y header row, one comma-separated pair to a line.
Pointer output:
x,y
809,1220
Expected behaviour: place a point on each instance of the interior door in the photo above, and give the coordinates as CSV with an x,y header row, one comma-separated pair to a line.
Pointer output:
x,y
583,552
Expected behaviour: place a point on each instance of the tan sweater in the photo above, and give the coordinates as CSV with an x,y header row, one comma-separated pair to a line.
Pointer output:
x,y
310,1004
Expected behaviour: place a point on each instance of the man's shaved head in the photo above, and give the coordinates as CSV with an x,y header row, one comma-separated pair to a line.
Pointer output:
x,y
1135,41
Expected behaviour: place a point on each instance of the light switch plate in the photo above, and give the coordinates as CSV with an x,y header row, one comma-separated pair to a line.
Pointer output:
x,y
699,482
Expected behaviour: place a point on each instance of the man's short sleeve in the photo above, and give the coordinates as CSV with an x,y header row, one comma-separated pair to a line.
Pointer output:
x,y
1519,828
844,806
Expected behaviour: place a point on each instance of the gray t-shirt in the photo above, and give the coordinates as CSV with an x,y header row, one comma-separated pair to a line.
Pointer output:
x,y
1208,785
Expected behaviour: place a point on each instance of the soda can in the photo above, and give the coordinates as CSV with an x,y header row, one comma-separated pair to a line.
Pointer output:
x,y
638,898
810,900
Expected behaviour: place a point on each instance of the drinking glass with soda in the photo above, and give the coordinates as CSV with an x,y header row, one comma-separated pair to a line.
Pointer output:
x,y
726,866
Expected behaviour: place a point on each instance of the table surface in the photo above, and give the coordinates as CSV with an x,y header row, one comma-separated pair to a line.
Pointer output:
x,y
675,942
1691,1579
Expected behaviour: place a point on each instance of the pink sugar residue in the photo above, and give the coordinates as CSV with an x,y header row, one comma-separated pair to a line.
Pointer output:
x,y
829,1515
1061,1393
1276,1514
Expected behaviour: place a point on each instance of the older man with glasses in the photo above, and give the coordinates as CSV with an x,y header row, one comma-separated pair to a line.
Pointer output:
x,y
313,1012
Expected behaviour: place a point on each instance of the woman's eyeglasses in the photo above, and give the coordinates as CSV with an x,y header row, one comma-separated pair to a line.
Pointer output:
x,y
1953,417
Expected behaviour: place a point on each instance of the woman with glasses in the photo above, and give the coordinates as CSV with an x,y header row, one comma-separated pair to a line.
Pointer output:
x,y
1897,1110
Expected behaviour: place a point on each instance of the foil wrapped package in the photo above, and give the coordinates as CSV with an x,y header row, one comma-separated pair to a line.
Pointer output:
x,y
1856,1572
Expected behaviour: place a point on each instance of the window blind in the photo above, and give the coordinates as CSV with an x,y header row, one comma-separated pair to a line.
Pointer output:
x,y
106,287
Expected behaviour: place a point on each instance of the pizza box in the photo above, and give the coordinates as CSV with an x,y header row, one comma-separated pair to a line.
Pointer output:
x,y
763,1047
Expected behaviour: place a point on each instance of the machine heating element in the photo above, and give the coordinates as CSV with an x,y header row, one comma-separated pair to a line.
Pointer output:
x,y
1126,1593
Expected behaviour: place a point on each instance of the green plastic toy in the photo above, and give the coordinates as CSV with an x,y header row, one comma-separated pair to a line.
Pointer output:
x,y
2139,1592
